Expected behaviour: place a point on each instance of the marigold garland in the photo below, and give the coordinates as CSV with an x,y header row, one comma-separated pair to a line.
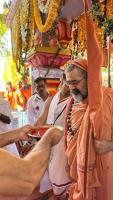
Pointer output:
x,y
31,25
23,18
22,35
15,36
26,14
52,14
104,21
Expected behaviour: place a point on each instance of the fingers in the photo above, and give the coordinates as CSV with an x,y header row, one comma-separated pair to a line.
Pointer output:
x,y
26,130
55,131
30,127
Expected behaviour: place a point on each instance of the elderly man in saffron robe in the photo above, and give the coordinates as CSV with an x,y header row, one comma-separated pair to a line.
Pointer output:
x,y
89,131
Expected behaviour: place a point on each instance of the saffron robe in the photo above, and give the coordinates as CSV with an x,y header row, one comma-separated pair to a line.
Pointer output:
x,y
91,173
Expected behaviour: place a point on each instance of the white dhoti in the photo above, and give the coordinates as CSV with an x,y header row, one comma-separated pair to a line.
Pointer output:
x,y
58,174
45,184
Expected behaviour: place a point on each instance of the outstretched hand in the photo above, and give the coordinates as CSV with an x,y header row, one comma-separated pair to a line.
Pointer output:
x,y
52,136
24,131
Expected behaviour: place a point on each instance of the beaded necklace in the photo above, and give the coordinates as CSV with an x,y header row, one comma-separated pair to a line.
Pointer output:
x,y
70,131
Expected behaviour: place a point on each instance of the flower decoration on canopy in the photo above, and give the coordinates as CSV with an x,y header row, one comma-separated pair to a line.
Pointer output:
x,y
22,36
45,16
60,34
63,33
103,13
52,15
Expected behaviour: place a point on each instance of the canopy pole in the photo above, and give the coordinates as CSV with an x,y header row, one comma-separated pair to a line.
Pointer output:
x,y
109,59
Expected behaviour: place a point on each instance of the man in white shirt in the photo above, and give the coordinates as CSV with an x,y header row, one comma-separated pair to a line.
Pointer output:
x,y
36,101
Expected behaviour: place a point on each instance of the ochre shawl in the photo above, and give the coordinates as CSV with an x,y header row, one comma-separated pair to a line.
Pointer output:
x,y
85,166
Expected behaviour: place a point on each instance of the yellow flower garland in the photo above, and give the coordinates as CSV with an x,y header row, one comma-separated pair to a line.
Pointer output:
x,y
52,14
15,35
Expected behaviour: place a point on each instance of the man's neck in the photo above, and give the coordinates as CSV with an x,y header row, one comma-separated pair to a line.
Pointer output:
x,y
62,97
84,100
44,96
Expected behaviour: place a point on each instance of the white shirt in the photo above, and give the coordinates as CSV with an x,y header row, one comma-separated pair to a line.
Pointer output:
x,y
35,105
52,107
6,110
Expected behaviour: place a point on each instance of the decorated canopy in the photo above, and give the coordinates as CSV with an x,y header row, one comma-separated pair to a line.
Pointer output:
x,y
49,32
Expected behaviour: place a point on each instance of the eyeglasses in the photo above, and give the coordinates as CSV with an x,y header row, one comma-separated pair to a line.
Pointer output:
x,y
74,82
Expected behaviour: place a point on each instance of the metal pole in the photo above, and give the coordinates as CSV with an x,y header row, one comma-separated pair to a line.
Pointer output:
x,y
109,59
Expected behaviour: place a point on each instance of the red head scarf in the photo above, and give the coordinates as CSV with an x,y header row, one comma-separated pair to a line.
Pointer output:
x,y
80,62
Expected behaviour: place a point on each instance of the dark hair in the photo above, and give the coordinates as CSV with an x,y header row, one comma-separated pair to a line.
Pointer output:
x,y
71,67
37,80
